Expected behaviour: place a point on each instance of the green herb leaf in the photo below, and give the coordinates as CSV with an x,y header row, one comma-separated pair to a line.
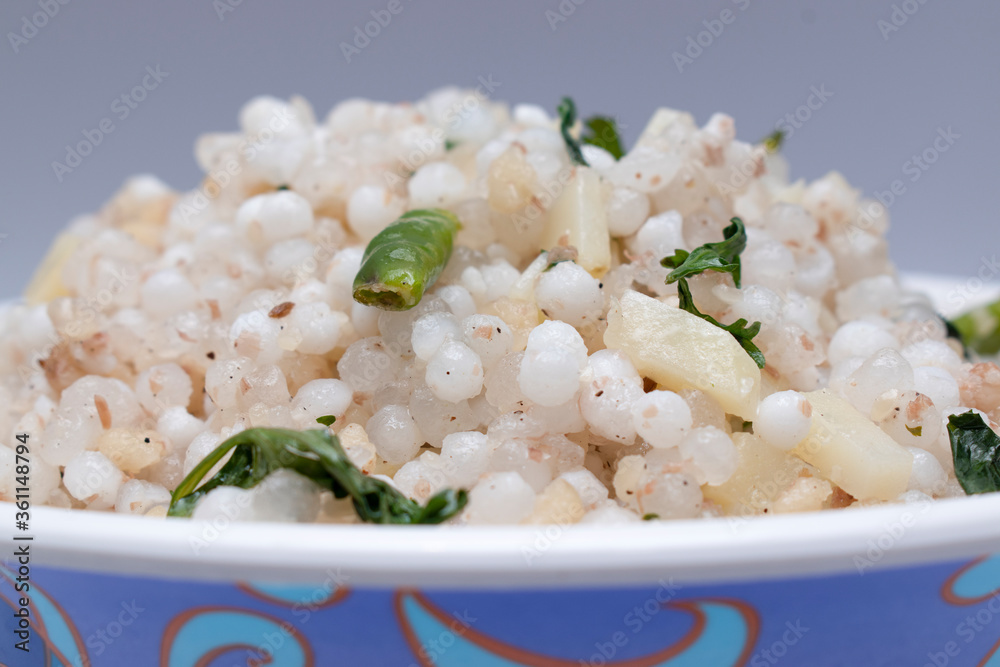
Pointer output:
x,y
975,449
951,331
405,258
650,517
280,188
560,254
772,142
747,426
741,332
723,256
326,420
567,119
449,144
979,329
915,431
316,454
604,134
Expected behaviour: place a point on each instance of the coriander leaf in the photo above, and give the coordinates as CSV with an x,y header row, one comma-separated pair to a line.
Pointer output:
x,y
449,144
915,431
723,256
979,329
951,331
567,119
316,454
975,449
650,517
281,188
326,420
741,332
604,134
773,141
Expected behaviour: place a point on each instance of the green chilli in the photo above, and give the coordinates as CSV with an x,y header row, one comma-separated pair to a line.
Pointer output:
x,y
405,258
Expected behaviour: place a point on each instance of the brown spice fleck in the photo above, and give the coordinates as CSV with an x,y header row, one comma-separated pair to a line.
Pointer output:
x,y
840,498
281,309
103,410
648,385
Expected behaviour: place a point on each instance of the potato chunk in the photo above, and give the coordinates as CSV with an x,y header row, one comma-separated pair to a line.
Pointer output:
x,y
559,503
852,452
47,283
763,475
578,218
679,351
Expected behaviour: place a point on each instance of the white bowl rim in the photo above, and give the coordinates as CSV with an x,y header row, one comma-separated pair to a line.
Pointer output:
x,y
858,540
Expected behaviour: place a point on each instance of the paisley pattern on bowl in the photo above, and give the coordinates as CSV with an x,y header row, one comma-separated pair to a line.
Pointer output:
x,y
903,616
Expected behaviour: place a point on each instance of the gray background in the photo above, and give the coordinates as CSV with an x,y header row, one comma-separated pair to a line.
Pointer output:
x,y
891,92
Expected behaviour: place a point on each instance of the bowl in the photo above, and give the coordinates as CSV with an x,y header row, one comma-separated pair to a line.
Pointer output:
x,y
914,584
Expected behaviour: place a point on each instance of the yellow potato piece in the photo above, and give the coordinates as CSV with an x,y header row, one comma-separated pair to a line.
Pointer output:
x,y
681,351
47,283
764,473
559,503
578,218
852,452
